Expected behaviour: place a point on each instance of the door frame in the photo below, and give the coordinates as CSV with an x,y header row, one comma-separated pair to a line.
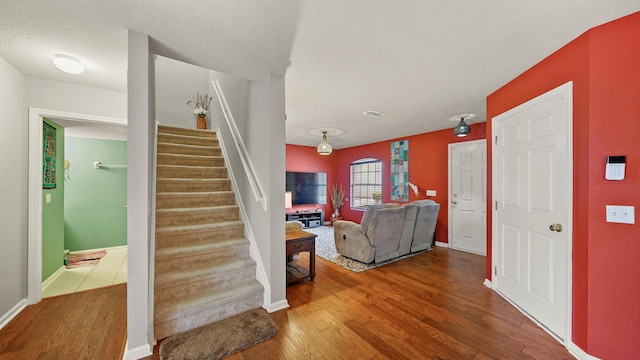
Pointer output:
x,y
449,180
567,90
34,217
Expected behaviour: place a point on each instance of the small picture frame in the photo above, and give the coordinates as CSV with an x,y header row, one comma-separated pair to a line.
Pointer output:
x,y
48,156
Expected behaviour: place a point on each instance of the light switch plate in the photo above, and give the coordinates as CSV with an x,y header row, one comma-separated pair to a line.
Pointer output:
x,y
621,214
47,198
431,193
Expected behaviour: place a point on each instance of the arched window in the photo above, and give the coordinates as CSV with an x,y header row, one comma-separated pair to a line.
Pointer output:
x,y
366,180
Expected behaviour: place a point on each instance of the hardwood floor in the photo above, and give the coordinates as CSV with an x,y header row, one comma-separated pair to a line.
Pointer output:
x,y
430,306
84,325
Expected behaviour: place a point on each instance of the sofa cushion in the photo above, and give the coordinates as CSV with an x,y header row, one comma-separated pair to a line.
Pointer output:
x,y
368,215
410,214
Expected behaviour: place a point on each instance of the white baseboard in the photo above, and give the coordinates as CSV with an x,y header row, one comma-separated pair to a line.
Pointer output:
x,y
53,277
112,248
579,353
273,307
442,244
15,310
488,283
136,353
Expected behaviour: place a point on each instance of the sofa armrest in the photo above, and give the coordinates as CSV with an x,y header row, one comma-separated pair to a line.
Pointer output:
x,y
351,242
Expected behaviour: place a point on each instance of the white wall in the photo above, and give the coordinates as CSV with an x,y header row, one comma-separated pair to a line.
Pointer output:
x,y
13,187
141,132
265,140
54,95
177,83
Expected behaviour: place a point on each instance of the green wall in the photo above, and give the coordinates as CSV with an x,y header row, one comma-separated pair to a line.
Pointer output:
x,y
94,200
53,213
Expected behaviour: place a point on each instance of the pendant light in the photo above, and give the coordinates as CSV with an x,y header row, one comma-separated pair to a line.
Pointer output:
x,y
462,129
324,148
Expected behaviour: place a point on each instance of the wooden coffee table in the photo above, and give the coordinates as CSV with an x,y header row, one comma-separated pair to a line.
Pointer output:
x,y
300,241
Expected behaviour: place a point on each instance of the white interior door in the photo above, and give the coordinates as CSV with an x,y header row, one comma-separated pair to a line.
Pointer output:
x,y
468,196
532,219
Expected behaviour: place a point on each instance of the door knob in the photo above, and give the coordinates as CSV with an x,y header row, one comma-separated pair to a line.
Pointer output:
x,y
454,202
555,227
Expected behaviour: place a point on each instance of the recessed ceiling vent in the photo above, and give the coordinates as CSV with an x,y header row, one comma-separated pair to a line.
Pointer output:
x,y
373,113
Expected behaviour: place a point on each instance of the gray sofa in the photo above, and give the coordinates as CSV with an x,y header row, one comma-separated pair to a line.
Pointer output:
x,y
375,238
387,231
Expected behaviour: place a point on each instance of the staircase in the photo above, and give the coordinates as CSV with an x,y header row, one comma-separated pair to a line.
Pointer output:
x,y
203,272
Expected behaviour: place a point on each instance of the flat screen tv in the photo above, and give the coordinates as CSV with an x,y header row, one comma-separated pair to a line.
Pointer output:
x,y
307,187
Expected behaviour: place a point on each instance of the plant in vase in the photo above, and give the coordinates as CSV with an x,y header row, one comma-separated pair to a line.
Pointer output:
x,y
200,105
337,197
377,197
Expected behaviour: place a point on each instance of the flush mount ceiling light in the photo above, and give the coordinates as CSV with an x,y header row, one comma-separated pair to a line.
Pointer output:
x,y
324,148
68,64
373,113
462,129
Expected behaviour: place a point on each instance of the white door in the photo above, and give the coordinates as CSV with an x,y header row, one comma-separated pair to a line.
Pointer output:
x,y
532,190
468,196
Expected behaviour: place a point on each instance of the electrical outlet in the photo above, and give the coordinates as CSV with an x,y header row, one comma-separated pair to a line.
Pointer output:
x,y
621,214
431,193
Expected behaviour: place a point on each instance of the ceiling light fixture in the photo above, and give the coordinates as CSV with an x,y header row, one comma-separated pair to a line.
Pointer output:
x,y
324,148
462,129
68,64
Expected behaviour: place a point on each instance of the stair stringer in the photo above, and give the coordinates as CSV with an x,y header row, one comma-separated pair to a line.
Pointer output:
x,y
254,253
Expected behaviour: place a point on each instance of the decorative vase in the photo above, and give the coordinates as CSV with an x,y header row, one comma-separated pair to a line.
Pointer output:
x,y
336,213
202,122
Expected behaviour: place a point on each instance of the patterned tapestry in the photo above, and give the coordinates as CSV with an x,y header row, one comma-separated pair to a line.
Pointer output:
x,y
400,170
48,156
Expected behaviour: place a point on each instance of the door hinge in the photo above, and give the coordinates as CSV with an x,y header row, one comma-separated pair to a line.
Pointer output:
x,y
495,270
496,205
496,139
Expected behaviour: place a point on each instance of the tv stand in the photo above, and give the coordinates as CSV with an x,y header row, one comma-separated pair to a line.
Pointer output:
x,y
309,219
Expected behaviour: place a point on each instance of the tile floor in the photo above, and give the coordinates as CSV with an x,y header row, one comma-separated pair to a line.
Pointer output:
x,y
112,269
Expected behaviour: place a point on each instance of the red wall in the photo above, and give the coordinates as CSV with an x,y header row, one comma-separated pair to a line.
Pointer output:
x,y
604,67
306,159
428,169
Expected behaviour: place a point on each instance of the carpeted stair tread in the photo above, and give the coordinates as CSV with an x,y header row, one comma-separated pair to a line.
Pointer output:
x,y
194,199
187,139
195,193
185,251
182,185
196,215
169,148
189,160
166,129
170,279
197,304
199,209
197,228
220,339
204,258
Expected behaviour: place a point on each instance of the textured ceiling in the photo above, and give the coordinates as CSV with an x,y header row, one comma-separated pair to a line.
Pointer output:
x,y
419,62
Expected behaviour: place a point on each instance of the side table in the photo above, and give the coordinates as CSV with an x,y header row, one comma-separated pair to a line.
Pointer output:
x,y
300,241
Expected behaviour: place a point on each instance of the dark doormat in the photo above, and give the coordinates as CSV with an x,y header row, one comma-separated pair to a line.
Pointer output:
x,y
220,339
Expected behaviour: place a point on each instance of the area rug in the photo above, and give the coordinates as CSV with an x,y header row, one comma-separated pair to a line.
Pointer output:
x,y
79,259
326,249
220,339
